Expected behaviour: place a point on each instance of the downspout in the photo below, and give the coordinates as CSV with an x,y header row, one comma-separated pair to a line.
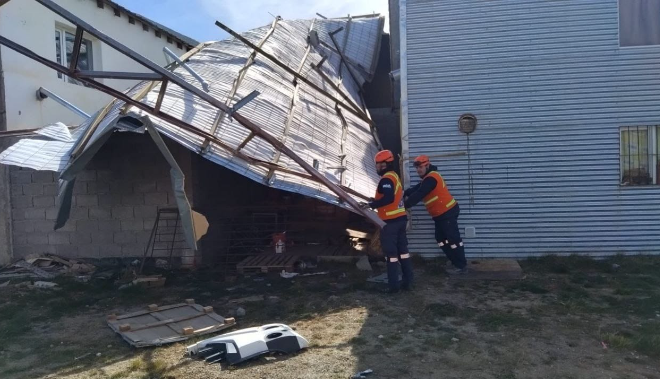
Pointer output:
x,y
6,226
403,72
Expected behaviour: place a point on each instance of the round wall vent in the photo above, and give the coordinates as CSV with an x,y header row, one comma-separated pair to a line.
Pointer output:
x,y
467,123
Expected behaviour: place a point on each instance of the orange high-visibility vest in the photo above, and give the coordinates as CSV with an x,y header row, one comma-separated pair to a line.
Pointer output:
x,y
439,200
394,209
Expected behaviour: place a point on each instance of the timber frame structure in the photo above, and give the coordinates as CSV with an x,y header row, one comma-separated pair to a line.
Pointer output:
x,y
166,77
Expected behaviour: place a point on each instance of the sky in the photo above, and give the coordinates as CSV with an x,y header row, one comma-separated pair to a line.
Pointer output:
x,y
196,18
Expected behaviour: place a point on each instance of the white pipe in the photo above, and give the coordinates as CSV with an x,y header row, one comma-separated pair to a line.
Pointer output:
x,y
192,72
43,93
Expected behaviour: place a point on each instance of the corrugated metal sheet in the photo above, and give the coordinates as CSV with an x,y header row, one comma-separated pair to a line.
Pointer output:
x,y
550,88
315,130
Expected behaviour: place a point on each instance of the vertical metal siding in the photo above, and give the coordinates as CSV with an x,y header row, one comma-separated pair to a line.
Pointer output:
x,y
550,87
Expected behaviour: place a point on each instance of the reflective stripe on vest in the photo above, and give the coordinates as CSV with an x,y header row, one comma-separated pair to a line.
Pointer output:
x,y
441,193
394,209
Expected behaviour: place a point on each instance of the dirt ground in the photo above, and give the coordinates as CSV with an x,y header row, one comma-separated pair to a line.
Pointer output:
x,y
568,318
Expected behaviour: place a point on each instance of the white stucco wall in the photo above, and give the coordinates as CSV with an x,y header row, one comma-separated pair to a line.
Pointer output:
x,y
33,26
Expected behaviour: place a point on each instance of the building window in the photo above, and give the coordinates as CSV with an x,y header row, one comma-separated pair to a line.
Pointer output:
x,y
639,22
64,41
640,147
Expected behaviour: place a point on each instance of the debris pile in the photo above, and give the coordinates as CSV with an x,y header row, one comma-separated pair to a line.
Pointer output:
x,y
46,266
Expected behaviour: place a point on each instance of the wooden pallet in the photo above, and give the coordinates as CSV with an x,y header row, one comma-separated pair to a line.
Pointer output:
x,y
267,263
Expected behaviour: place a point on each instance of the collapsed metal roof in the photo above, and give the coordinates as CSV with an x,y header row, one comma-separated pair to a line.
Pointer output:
x,y
308,75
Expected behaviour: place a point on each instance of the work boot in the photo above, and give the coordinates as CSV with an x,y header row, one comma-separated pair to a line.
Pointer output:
x,y
393,276
407,273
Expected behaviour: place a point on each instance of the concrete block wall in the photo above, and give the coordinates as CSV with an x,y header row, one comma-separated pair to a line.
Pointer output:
x,y
114,208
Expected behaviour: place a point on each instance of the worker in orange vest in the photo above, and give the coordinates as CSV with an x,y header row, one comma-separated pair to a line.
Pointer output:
x,y
388,202
442,207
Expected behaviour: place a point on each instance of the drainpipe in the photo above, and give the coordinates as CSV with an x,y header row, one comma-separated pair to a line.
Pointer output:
x,y
403,77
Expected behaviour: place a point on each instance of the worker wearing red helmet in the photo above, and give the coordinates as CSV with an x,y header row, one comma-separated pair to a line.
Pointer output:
x,y
442,207
388,202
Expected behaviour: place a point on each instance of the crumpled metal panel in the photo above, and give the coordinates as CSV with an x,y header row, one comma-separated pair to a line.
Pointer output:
x,y
314,132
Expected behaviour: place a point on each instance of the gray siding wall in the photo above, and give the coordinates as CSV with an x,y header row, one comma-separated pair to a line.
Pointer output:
x,y
550,87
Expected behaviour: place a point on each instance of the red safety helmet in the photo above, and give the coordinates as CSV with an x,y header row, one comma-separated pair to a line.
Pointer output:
x,y
384,156
422,161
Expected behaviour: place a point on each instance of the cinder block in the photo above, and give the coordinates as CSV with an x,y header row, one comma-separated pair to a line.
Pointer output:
x,y
164,185
145,211
21,177
81,238
124,237
132,250
51,213
19,239
100,213
18,215
149,223
43,201
102,237
109,225
132,199
122,213
42,177
108,251
43,226
121,187
21,202
80,188
34,189
23,226
87,226
16,190
132,225
87,200
69,226
79,213
86,176
156,198
144,187
37,238
50,189
97,188
104,175
109,199
58,238
70,251
87,251
142,236
35,213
